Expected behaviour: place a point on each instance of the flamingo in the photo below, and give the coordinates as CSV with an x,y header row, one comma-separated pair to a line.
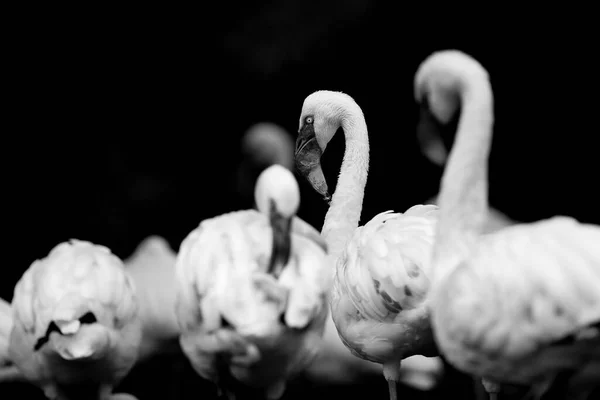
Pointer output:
x,y
75,322
378,300
252,292
151,268
520,305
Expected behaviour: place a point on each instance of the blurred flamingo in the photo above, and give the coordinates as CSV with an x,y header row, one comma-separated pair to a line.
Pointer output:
x,y
519,305
252,292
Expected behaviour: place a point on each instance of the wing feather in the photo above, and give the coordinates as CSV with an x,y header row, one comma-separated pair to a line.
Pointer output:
x,y
386,263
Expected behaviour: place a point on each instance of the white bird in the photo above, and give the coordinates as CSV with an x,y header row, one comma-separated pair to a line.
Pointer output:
x,y
252,298
151,268
75,322
378,301
518,305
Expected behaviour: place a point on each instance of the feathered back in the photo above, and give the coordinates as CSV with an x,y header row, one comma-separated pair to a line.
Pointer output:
x,y
74,273
224,263
385,265
552,270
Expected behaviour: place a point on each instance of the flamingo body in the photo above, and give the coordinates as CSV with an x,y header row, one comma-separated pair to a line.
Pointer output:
x,y
75,322
380,289
268,325
379,310
546,281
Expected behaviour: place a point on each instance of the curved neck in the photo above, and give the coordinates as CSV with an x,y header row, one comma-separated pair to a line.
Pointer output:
x,y
346,203
463,192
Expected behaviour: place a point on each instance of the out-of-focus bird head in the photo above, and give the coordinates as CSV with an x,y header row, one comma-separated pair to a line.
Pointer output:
x,y
277,192
440,79
81,295
323,113
440,82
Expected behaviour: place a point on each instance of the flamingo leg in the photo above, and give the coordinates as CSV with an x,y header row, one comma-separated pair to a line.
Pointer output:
x,y
391,372
393,386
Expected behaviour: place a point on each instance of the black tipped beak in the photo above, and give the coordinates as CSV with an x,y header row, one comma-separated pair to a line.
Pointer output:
x,y
282,241
308,160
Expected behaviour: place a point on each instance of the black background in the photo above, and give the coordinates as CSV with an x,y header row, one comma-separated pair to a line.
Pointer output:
x,y
120,123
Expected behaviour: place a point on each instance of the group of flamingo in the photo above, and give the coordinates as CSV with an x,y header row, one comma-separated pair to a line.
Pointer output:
x,y
251,296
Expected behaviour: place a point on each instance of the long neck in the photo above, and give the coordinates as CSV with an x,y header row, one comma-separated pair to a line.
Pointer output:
x,y
346,204
463,193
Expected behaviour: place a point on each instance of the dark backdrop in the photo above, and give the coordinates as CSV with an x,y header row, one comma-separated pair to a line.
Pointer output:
x,y
124,123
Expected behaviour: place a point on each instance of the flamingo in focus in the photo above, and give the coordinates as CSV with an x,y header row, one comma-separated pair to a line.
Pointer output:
x,y
379,296
252,292
520,305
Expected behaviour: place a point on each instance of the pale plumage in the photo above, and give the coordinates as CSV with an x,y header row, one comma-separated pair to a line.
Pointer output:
x,y
75,321
5,328
8,372
545,287
151,268
378,308
381,286
242,298
494,221
519,305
